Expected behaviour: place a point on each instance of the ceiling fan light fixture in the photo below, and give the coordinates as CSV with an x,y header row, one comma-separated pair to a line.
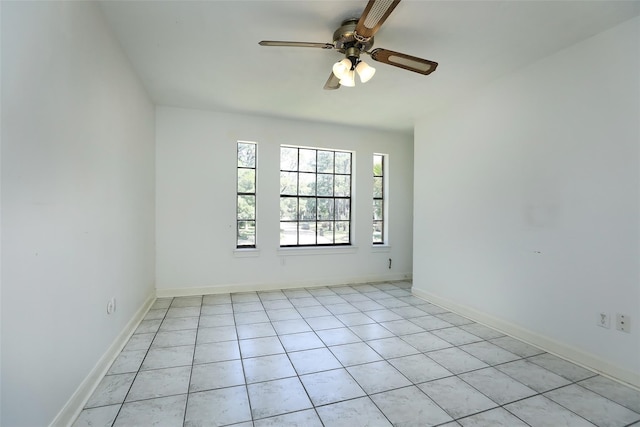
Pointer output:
x,y
353,38
349,80
342,68
365,71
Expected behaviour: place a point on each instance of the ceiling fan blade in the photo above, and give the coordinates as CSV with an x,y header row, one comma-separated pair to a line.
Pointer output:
x,y
402,60
296,44
376,12
332,83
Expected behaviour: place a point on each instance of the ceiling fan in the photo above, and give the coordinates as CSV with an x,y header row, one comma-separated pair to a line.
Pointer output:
x,y
355,37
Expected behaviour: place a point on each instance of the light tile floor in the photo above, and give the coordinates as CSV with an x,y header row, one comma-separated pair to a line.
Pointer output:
x,y
359,355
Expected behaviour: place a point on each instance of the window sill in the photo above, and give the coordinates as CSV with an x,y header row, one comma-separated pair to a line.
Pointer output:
x,y
246,253
332,250
380,248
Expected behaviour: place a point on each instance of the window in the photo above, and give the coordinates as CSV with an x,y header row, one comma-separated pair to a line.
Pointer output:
x,y
315,197
378,199
246,201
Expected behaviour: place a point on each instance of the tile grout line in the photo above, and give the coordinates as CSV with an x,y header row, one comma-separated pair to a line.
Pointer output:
x,y
344,367
385,359
520,357
405,316
297,376
193,358
244,374
142,361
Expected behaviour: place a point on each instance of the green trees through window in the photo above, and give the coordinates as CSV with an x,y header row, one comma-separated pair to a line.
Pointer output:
x,y
378,199
246,201
315,197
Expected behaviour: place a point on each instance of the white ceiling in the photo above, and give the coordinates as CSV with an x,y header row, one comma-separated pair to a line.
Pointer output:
x,y
205,54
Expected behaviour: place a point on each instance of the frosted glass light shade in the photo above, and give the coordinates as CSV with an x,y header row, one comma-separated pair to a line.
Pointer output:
x,y
342,68
365,71
349,79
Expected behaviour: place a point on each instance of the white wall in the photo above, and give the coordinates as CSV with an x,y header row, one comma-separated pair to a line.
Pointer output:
x,y
527,202
77,200
196,193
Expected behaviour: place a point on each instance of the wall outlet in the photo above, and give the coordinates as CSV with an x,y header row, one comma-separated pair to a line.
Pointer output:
x,y
604,320
623,323
111,306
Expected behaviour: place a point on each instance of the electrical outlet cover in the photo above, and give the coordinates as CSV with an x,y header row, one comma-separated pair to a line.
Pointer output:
x,y
623,323
604,321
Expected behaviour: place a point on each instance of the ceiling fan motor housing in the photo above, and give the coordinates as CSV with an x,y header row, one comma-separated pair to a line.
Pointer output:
x,y
345,37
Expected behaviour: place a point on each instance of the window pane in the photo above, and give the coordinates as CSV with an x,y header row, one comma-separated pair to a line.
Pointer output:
x,y
325,185
342,232
320,183
307,209
377,165
307,184
307,160
325,209
246,155
343,185
342,209
377,232
247,207
378,198
325,233
288,159
378,209
377,187
289,183
343,163
307,233
246,180
325,161
288,209
246,233
288,233
246,195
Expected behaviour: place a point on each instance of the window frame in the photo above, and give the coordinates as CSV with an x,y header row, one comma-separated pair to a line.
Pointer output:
x,y
240,194
317,197
382,199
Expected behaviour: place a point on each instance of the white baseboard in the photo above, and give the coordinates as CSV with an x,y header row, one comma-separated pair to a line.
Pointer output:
x,y
78,400
259,287
570,353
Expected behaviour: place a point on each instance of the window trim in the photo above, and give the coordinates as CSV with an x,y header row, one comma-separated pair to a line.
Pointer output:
x,y
238,246
383,199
